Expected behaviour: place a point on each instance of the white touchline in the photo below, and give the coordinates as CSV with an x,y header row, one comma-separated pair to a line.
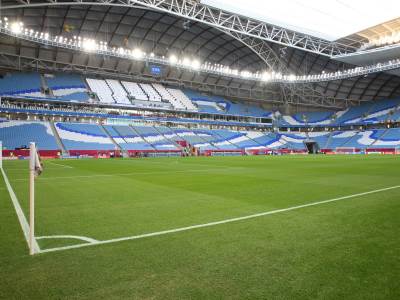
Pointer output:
x,y
61,165
21,217
217,222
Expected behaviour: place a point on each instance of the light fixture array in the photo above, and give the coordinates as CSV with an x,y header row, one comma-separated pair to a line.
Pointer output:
x,y
89,45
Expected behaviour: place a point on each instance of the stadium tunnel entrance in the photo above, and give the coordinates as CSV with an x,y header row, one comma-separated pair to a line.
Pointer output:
x,y
311,146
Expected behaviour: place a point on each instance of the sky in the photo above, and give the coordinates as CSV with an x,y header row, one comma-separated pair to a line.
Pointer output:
x,y
327,19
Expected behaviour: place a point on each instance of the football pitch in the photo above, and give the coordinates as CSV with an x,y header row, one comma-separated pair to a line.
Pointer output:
x,y
290,227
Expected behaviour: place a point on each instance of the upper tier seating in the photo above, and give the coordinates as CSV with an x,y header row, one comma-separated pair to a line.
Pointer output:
x,y
150,92
101,89
118,92
77,136
21,84
182,98
381,110
354,114
220,105
67,86
310,118
166,96
395,116
16,134
135,90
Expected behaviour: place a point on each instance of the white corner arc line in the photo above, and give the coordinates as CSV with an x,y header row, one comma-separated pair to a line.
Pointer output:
x,y
76,237
20,214
146,235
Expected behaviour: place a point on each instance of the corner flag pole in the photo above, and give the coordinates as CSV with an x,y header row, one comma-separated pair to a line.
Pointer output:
x,y
32,165
1,154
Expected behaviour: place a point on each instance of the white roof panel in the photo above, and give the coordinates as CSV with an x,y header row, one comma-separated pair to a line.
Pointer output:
x,y
327,19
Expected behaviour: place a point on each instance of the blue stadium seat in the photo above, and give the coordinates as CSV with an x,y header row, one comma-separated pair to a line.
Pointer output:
x,y
78,136
15,134
67,87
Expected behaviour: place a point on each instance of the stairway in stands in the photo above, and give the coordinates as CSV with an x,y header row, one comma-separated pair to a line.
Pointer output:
x,y
58,139
168,139
111,138
379,137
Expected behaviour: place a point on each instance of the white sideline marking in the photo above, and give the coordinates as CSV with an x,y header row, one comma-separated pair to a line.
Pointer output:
x,y
76,237
21,217
135,237
56,164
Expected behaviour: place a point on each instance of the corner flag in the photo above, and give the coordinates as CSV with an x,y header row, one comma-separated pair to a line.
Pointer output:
x,y
35,161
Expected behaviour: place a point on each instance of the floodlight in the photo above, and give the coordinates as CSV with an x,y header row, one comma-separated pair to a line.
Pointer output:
x,y
186,62
89,45
137,53
173,59
266,76
16,27
196,64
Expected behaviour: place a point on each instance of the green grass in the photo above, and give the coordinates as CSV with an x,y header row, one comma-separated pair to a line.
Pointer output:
x,y
341,250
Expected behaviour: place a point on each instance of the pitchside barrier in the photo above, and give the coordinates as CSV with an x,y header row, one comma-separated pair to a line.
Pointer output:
x,y
346,150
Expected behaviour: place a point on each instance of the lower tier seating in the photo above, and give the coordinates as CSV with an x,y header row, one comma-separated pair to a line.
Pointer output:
x,y
83,136
76,136
17,134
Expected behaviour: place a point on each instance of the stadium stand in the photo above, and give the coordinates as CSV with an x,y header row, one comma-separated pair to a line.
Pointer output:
x,y
67,86
151,93
84,136
182,98
307,118
321,138
118,92
17,134
21,84
155,138
127,138
77,136
101,89
135,90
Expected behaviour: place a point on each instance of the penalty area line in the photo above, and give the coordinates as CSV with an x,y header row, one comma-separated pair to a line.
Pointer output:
x,y
257,215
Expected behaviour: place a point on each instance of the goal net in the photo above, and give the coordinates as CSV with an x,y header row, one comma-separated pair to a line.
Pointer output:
x,y
345,150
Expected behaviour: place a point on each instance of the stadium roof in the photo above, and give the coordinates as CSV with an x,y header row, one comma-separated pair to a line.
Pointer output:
x,y
162,33
327,19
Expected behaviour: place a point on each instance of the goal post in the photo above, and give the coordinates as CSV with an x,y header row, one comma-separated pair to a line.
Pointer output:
x,y
345,150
